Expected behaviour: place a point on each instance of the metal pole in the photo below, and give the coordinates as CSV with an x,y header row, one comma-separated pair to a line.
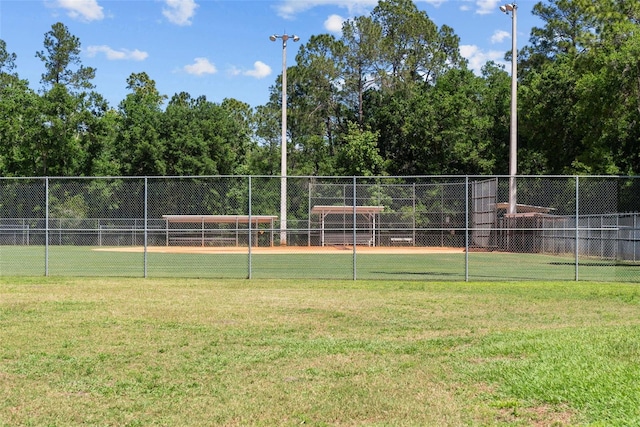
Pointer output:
x,y
250,232
283,143
513,144
283,158
146,224
309,213
466,229
413,202
577,230
354,219
46,228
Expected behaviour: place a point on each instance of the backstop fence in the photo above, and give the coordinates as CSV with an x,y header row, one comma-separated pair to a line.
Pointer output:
x,y
427,227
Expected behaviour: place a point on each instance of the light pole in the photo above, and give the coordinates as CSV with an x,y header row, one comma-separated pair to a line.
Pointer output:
x,y
513,141
283,144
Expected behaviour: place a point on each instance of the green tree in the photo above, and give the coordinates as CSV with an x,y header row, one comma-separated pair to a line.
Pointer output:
x,y
446,128
495,102
43,134
463,123
58,150
184,144
317,114
20,119
138,144
412,49
62,126
242,126
568,30
203,138
264,158
390,114
609,90
98,128
72,137
580,100
385,57
361,37
359,155
7,65
549,129
62,60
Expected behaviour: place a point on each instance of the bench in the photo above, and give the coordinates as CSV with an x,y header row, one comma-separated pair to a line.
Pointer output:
x,y
345,239
401,240
200,240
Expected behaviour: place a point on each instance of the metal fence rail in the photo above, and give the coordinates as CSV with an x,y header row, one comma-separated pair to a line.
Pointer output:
x,y
427,227
608,236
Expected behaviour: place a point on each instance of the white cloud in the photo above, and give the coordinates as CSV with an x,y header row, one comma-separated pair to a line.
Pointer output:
x,y
499,36
180,12
435,3
115,55
200,67
84,10
260,70
333,24
289,8
478,58
234,71
485,7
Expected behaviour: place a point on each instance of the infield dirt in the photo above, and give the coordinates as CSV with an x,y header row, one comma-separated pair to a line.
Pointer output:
x,y
285,249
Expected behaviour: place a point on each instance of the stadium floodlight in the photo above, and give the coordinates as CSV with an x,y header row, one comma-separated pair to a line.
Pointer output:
x,y
283,143
508,8
513,140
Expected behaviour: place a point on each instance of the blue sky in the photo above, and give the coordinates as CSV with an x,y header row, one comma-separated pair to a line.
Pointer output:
x,y
221,48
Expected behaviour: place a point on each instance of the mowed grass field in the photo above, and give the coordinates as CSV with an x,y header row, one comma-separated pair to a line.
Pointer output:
x,y
203,352
301,264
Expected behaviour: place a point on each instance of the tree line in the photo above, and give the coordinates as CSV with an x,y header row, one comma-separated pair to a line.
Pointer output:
x,y
391,96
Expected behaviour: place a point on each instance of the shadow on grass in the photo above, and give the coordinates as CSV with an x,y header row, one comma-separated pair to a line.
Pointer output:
x,y
415,273
598,264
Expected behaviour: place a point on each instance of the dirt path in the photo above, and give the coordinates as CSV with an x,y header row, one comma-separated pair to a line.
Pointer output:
x,y
285,249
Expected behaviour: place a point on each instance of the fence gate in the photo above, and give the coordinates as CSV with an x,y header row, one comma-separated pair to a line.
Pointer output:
x,y
484,196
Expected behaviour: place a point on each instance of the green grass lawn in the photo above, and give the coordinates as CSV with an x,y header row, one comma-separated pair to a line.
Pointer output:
x,y
202,352
494,266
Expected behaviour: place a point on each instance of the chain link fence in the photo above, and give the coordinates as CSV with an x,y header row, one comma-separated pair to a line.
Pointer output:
x,y
392,228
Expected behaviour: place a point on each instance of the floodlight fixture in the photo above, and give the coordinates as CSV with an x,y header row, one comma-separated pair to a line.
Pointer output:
x,y
509,7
